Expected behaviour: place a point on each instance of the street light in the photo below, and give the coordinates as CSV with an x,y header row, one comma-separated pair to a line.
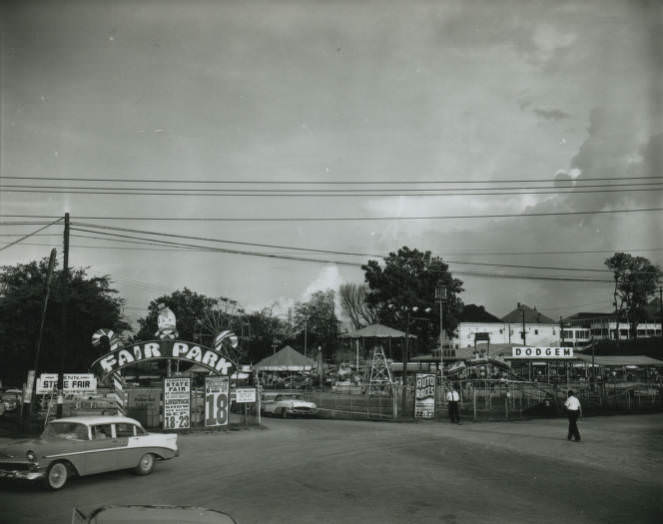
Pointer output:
x,y
441,297
406,310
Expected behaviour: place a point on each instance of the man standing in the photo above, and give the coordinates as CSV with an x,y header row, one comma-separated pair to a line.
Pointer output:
x,y
453,397
573,410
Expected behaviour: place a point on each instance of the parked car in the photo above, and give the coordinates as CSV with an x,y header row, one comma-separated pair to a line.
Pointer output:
x,y
10,400
79,446
287,404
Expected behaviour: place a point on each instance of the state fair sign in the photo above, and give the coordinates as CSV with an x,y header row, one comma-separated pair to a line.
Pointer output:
x,y
543,353
176,403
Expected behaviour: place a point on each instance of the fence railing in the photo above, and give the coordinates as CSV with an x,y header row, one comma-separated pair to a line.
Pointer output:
x,y
491,400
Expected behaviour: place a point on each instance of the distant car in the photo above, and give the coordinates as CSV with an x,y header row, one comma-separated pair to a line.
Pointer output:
x,y
10,400
83,446
287,405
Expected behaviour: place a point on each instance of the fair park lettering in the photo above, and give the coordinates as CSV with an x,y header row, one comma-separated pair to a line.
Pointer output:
x,y
118,359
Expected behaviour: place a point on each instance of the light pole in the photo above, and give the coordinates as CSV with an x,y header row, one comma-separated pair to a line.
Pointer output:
x,y
441,297
406,310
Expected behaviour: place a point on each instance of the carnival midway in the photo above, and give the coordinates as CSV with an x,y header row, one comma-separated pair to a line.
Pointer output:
x,y
201,386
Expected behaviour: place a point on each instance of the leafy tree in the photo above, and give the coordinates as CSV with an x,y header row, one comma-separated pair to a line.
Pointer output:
x,y
408,278
354,305
266,333
91,305
316,319
636,279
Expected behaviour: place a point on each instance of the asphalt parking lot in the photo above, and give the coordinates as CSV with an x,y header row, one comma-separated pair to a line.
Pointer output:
x,y
302,471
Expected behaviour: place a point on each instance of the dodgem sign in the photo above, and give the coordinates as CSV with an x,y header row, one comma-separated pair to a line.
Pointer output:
x,y
544,353
160,350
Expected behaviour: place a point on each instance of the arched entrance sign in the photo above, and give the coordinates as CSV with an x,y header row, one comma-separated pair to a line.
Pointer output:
x,y
153,350
166,348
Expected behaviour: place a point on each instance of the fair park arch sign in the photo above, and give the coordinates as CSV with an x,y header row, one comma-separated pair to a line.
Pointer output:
x,y
152,350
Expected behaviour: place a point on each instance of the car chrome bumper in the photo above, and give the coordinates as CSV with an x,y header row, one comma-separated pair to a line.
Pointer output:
x,y
12,474
299,411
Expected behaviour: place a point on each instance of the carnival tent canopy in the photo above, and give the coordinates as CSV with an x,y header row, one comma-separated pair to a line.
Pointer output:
x,y
287,359
376,331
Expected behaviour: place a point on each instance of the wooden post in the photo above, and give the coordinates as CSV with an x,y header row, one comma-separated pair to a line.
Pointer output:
x,y
474,402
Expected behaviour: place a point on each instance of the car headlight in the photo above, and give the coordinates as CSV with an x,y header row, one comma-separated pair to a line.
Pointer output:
x,y
31,456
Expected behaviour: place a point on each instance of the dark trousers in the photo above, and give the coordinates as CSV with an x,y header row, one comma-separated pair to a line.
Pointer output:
x,y
573,426
453,411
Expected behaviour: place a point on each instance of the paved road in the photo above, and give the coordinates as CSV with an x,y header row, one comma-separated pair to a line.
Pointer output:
x,y
302,471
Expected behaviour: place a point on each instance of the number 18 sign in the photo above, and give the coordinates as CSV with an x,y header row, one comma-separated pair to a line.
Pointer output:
x,y
216,401
176,403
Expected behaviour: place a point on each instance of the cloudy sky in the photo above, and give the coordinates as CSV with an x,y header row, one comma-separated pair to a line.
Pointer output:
x,y
286,97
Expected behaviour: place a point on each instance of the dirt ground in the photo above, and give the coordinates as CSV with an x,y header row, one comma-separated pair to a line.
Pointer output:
x,y
302,471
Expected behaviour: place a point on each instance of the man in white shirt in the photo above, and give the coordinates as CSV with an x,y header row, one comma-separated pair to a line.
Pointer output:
x,y
573,410
453,397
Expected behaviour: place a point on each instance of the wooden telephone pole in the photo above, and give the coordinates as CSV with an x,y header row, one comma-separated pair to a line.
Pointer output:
x,y
65,298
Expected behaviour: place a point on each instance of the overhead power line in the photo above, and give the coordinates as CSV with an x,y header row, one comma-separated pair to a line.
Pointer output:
x,y
353,190
23,223
378,218
351,219
327,182
24,237
325,194
232,242
328,251
338,262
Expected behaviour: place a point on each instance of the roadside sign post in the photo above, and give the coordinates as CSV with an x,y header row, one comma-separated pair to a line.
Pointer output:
x,y
424,406
217,405
177,403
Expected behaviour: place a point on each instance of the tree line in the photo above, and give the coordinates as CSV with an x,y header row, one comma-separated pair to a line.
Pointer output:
x,y
401,291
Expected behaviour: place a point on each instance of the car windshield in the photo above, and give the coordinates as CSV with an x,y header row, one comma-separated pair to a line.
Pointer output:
x,y
65,430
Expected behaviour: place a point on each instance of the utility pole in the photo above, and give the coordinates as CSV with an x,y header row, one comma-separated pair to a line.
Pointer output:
x,y
65,298
405,359
660,306
441,296
47,291
305,336
524,335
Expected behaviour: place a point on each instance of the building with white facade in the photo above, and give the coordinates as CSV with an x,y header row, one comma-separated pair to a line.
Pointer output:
x,y
582,328
478,327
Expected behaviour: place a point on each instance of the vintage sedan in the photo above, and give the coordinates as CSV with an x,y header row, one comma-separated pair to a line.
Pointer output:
x,y
287,405
10,400
79,446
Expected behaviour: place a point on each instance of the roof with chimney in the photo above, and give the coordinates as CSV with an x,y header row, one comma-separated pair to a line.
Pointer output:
x,y
532,316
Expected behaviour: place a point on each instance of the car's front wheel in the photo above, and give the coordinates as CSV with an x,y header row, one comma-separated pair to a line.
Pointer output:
x,y
56,476
145,465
